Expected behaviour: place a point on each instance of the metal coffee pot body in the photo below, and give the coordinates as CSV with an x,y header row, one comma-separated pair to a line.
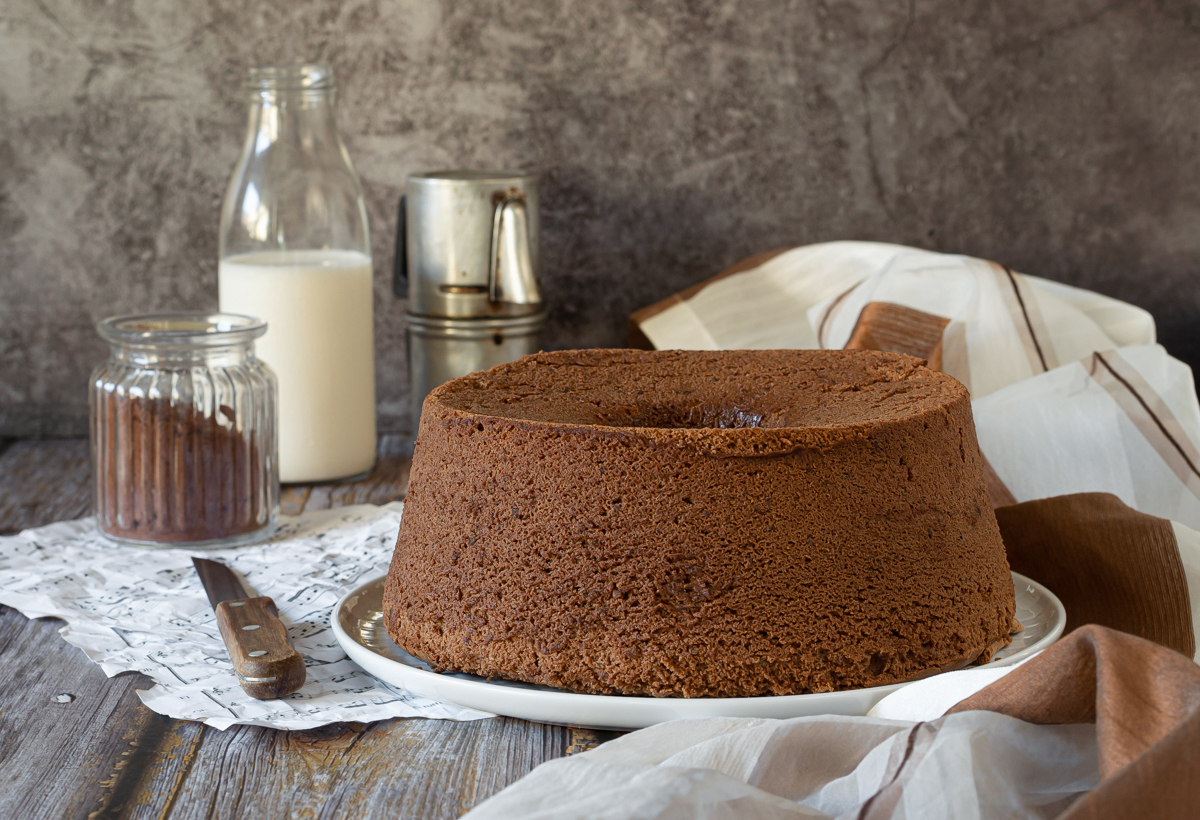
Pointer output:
x,y
467,260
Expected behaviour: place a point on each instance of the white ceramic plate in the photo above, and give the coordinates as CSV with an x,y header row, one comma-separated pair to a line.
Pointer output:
x,y
358,624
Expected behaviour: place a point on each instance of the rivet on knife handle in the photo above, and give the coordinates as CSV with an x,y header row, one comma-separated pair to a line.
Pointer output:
x,y
267,664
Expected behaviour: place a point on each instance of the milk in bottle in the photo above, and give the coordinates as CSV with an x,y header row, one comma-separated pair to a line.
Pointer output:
x,y
295,251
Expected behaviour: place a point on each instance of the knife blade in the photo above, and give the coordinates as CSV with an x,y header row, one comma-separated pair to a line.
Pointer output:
x,y
267,664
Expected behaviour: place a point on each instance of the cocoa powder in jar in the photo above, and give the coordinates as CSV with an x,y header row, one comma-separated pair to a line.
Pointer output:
x,y
175,475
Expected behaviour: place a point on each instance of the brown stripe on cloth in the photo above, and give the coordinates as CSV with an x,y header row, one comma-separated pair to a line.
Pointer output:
x,y
899,329
1027,320
1145,702
1109,563
1149,414
827,314
1033,317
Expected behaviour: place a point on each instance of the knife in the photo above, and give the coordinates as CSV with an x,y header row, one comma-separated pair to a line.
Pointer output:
x,y
267,664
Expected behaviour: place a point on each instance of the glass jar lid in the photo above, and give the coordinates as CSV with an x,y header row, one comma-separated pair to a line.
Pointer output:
x,y
181,329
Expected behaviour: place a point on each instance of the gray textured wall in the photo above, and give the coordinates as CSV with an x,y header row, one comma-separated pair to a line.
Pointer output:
x,y
675,137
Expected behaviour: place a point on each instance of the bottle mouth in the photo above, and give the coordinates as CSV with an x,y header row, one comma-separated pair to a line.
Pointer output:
x,y
299,77
181,329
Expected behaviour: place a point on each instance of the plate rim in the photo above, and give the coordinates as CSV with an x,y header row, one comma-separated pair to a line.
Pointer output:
x,y
423,682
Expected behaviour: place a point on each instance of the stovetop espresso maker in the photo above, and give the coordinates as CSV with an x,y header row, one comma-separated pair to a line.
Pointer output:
x,y
467,261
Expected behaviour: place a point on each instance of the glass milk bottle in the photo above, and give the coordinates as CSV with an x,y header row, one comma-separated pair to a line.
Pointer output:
x,y
295,252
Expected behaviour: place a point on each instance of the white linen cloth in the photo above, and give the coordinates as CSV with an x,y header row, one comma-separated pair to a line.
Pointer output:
x,y
1004,327
1123,421
810,297
967,765
140,610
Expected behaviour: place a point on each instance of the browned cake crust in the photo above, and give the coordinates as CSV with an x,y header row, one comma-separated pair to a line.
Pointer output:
x,y
699,524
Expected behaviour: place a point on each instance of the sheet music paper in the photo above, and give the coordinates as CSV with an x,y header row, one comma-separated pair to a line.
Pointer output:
x,y
145,611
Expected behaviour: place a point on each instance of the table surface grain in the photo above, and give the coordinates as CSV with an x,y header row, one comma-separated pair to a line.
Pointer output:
x,y
104,755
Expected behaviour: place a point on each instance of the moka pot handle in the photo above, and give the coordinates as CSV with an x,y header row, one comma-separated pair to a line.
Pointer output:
x,y
511,277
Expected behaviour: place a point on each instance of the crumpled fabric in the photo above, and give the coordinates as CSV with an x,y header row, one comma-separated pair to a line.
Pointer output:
x,y
1123,421
823,767
1102,725
999,326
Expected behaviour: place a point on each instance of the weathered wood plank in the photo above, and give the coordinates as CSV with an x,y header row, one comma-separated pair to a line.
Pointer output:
x,y
392,769
42,482
61,759
105,756
584,740
58,759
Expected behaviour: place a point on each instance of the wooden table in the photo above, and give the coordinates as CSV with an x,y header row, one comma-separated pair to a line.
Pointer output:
x,y
102,754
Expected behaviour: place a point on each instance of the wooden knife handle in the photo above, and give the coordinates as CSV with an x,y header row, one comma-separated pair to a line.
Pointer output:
x,y
267,664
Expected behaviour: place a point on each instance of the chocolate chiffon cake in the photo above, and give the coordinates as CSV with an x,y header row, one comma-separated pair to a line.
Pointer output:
x,y
700,524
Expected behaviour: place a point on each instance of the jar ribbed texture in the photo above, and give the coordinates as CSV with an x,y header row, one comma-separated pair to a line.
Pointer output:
x,y
185,453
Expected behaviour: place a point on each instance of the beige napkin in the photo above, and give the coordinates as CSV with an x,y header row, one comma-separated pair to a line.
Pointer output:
x,y
1145,703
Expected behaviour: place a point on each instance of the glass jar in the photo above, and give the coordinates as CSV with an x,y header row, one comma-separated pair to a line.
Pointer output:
x,y
183,432
295,251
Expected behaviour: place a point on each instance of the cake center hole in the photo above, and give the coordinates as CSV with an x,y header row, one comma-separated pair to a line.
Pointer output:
x,y
698,417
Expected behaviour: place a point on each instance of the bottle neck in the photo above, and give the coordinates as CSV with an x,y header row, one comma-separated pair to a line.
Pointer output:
x,y
294,187
302,117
